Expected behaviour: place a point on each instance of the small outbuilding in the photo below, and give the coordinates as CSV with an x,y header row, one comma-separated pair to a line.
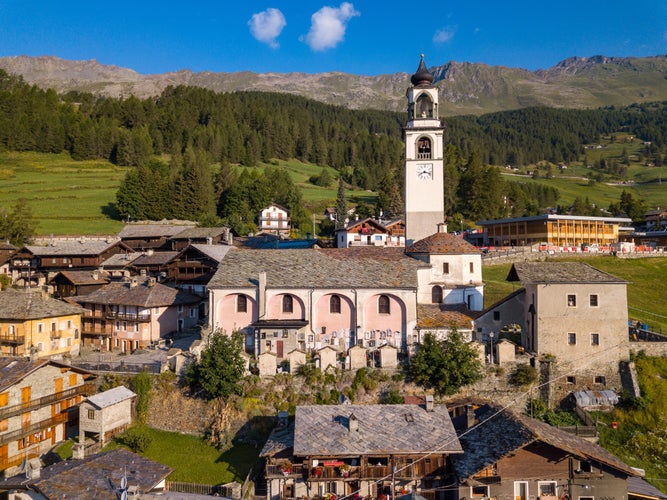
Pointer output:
x,y
106,414
267,363
297,358
328,356
357,357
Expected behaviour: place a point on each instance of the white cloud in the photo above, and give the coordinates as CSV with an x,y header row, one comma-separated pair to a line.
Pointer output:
x,y
328,25
444,35
266,26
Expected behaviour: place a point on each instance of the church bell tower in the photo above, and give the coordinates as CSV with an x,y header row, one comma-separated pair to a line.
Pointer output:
x,y
424,183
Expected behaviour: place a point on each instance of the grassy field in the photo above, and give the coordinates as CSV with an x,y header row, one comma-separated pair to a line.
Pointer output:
x,y
195,461
646,286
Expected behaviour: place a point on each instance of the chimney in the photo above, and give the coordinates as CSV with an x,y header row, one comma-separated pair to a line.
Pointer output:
x,y
353,423
442,227
133,282
96,275
470,416
429,403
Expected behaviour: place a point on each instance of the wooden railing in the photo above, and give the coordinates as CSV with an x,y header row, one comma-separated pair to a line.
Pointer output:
x,y
33,404
7,462
8,437
12,339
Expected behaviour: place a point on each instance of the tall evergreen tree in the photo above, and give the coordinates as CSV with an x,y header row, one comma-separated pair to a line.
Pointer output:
x,y
341,204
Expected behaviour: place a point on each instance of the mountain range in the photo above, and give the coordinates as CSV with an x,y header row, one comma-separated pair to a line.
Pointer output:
x,y
465,88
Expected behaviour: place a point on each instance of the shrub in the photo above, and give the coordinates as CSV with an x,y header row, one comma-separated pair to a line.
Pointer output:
x,y
523,375
137,439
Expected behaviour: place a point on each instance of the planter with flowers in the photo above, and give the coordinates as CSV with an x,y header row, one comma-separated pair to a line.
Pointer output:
x,y
286,469
344,470
317,471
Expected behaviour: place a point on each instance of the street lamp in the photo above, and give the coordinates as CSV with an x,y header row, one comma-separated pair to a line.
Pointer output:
x,y
491,337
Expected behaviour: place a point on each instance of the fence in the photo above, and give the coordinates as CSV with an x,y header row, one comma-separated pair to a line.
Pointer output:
x,y
226,490
154,367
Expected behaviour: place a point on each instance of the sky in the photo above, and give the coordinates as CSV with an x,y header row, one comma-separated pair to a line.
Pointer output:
x,y
361,37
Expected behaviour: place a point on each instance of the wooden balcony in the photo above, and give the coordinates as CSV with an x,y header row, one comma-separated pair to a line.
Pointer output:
x,y
7,462
12,340
8,437
11,411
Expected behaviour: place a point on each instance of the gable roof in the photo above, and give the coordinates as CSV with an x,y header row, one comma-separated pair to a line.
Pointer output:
x,y
357,267
110,397
140,230
215,252
83,277
399,429
84,247
146,294
200,232
559,272
33,304
97,477
13,370
154,258
519,431
442,243
357,225
121,259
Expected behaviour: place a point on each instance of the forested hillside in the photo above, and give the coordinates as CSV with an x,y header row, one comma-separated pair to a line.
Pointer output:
x,y
188,143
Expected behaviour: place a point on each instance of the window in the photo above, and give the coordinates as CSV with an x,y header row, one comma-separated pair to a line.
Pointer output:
x,y
241,303
572,300
496,315
91,414
12,330
572,338
383,305
288,304
593,300
69,324
180,308
479,491
445,268
193,312
600,379
53,326
334,304
436,294
546,488
595,339
40,346
472,267
571,380
40,328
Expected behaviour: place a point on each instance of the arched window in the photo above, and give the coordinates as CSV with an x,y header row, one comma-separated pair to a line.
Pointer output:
x,y
241,303
288,304
424,106
334,304
383,305
436,294
423,148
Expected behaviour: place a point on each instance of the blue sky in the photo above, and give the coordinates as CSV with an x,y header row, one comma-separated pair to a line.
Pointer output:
x,y
313,36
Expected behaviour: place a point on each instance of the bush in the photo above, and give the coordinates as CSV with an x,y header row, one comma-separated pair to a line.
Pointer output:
x,y
523,375
137,439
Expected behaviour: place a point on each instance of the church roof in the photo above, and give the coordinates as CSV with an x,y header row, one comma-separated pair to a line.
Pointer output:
x,y
442,243
422,76
356,267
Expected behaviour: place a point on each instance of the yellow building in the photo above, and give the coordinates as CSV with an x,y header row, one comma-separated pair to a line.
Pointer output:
x,y
552,229
34,324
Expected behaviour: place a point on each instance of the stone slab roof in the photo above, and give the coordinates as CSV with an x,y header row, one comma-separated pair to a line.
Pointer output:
x,y
638,486
431,316
85,277
97,477
121,259
323,430
111,397
280,441
84,247
13,370
154,258
356,267
29,304
142,295
154,230
559,272
484,445
200,232
215,252
442,243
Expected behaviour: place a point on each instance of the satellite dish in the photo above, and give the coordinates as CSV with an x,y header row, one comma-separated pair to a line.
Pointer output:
x,y
123,482
123,495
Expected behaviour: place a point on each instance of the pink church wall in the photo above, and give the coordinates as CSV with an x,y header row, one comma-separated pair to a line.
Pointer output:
x,y
275,308
229,319
375,321
333,321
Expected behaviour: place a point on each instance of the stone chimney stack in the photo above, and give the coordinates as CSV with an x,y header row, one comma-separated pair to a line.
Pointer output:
x,y
429,403
261,299
470,416
353,423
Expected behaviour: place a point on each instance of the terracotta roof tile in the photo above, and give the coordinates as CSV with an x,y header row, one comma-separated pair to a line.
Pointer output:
x,y
442,243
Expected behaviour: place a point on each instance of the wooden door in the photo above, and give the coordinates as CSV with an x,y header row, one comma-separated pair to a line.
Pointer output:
x,y
279,348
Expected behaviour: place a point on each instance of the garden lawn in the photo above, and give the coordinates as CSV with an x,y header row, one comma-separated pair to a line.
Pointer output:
x,y
195,461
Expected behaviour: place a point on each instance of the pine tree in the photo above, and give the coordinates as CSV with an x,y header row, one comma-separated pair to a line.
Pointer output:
x,y
341,204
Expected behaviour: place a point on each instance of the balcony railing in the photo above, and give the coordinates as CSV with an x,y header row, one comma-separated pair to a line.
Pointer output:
x,y
128,316
7,462
11,411
8,437
12,340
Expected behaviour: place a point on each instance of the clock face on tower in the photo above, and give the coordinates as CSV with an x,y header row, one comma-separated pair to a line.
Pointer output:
x,y
425,171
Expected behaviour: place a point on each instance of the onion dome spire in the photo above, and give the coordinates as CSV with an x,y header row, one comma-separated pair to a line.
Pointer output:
x,y
422,76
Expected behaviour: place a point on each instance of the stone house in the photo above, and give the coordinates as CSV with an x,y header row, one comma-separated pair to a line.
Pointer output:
x,y
506,455
38,399
368,450
34,324
106,414
369,232
135,313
